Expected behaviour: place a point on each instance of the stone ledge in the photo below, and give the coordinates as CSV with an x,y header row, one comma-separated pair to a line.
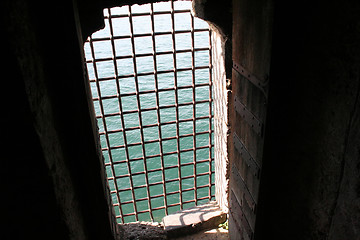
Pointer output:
x,y
189,221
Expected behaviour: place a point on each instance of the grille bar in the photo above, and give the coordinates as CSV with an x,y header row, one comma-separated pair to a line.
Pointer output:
x,y
176,99
150,73
162,166
156,141
149,54
103,120
139,107
122,122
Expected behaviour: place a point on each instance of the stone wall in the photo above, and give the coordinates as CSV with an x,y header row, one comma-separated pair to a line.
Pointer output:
x,y
220,20
220,96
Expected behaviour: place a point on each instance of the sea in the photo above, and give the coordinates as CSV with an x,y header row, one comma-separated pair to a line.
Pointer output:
x,y
143,96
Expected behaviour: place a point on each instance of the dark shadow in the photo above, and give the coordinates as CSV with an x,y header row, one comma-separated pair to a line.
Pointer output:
x,y
142,230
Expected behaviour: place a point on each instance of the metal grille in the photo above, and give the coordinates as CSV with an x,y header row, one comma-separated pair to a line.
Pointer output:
x,y
150,75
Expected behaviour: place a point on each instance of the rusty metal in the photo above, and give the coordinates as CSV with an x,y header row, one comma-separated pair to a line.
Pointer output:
x,y
261,84
162,168
139,112
211,183
172,14
103,121
118,96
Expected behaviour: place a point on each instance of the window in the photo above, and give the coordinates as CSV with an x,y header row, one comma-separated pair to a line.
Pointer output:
x,y
150,71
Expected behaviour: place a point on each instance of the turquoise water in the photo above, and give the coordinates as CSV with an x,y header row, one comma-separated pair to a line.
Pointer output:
x,y
144,154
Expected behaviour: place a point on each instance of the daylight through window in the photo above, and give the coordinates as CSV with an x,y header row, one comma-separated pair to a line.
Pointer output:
x,y
150,75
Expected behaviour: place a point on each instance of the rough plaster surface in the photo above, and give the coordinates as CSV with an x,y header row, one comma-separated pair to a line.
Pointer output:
x,y
220,93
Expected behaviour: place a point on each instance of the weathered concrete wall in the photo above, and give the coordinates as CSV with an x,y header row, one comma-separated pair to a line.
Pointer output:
x,y
220,96
64,191
220,20
29,207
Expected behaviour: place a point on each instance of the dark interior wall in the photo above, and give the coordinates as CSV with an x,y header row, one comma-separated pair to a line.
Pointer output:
x,y
53,175
29,205
311,174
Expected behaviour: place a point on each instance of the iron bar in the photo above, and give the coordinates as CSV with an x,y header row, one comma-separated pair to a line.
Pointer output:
x,y
193,169
121,116
148,54
176,97
105,125
210,118
138,107
151,73
148,13
193,80
158,104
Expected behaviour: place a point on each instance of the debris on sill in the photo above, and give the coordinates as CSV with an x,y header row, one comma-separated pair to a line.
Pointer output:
x,y
142,231
195,221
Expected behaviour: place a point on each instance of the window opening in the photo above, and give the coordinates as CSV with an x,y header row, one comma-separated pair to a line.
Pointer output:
x,y
150,75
